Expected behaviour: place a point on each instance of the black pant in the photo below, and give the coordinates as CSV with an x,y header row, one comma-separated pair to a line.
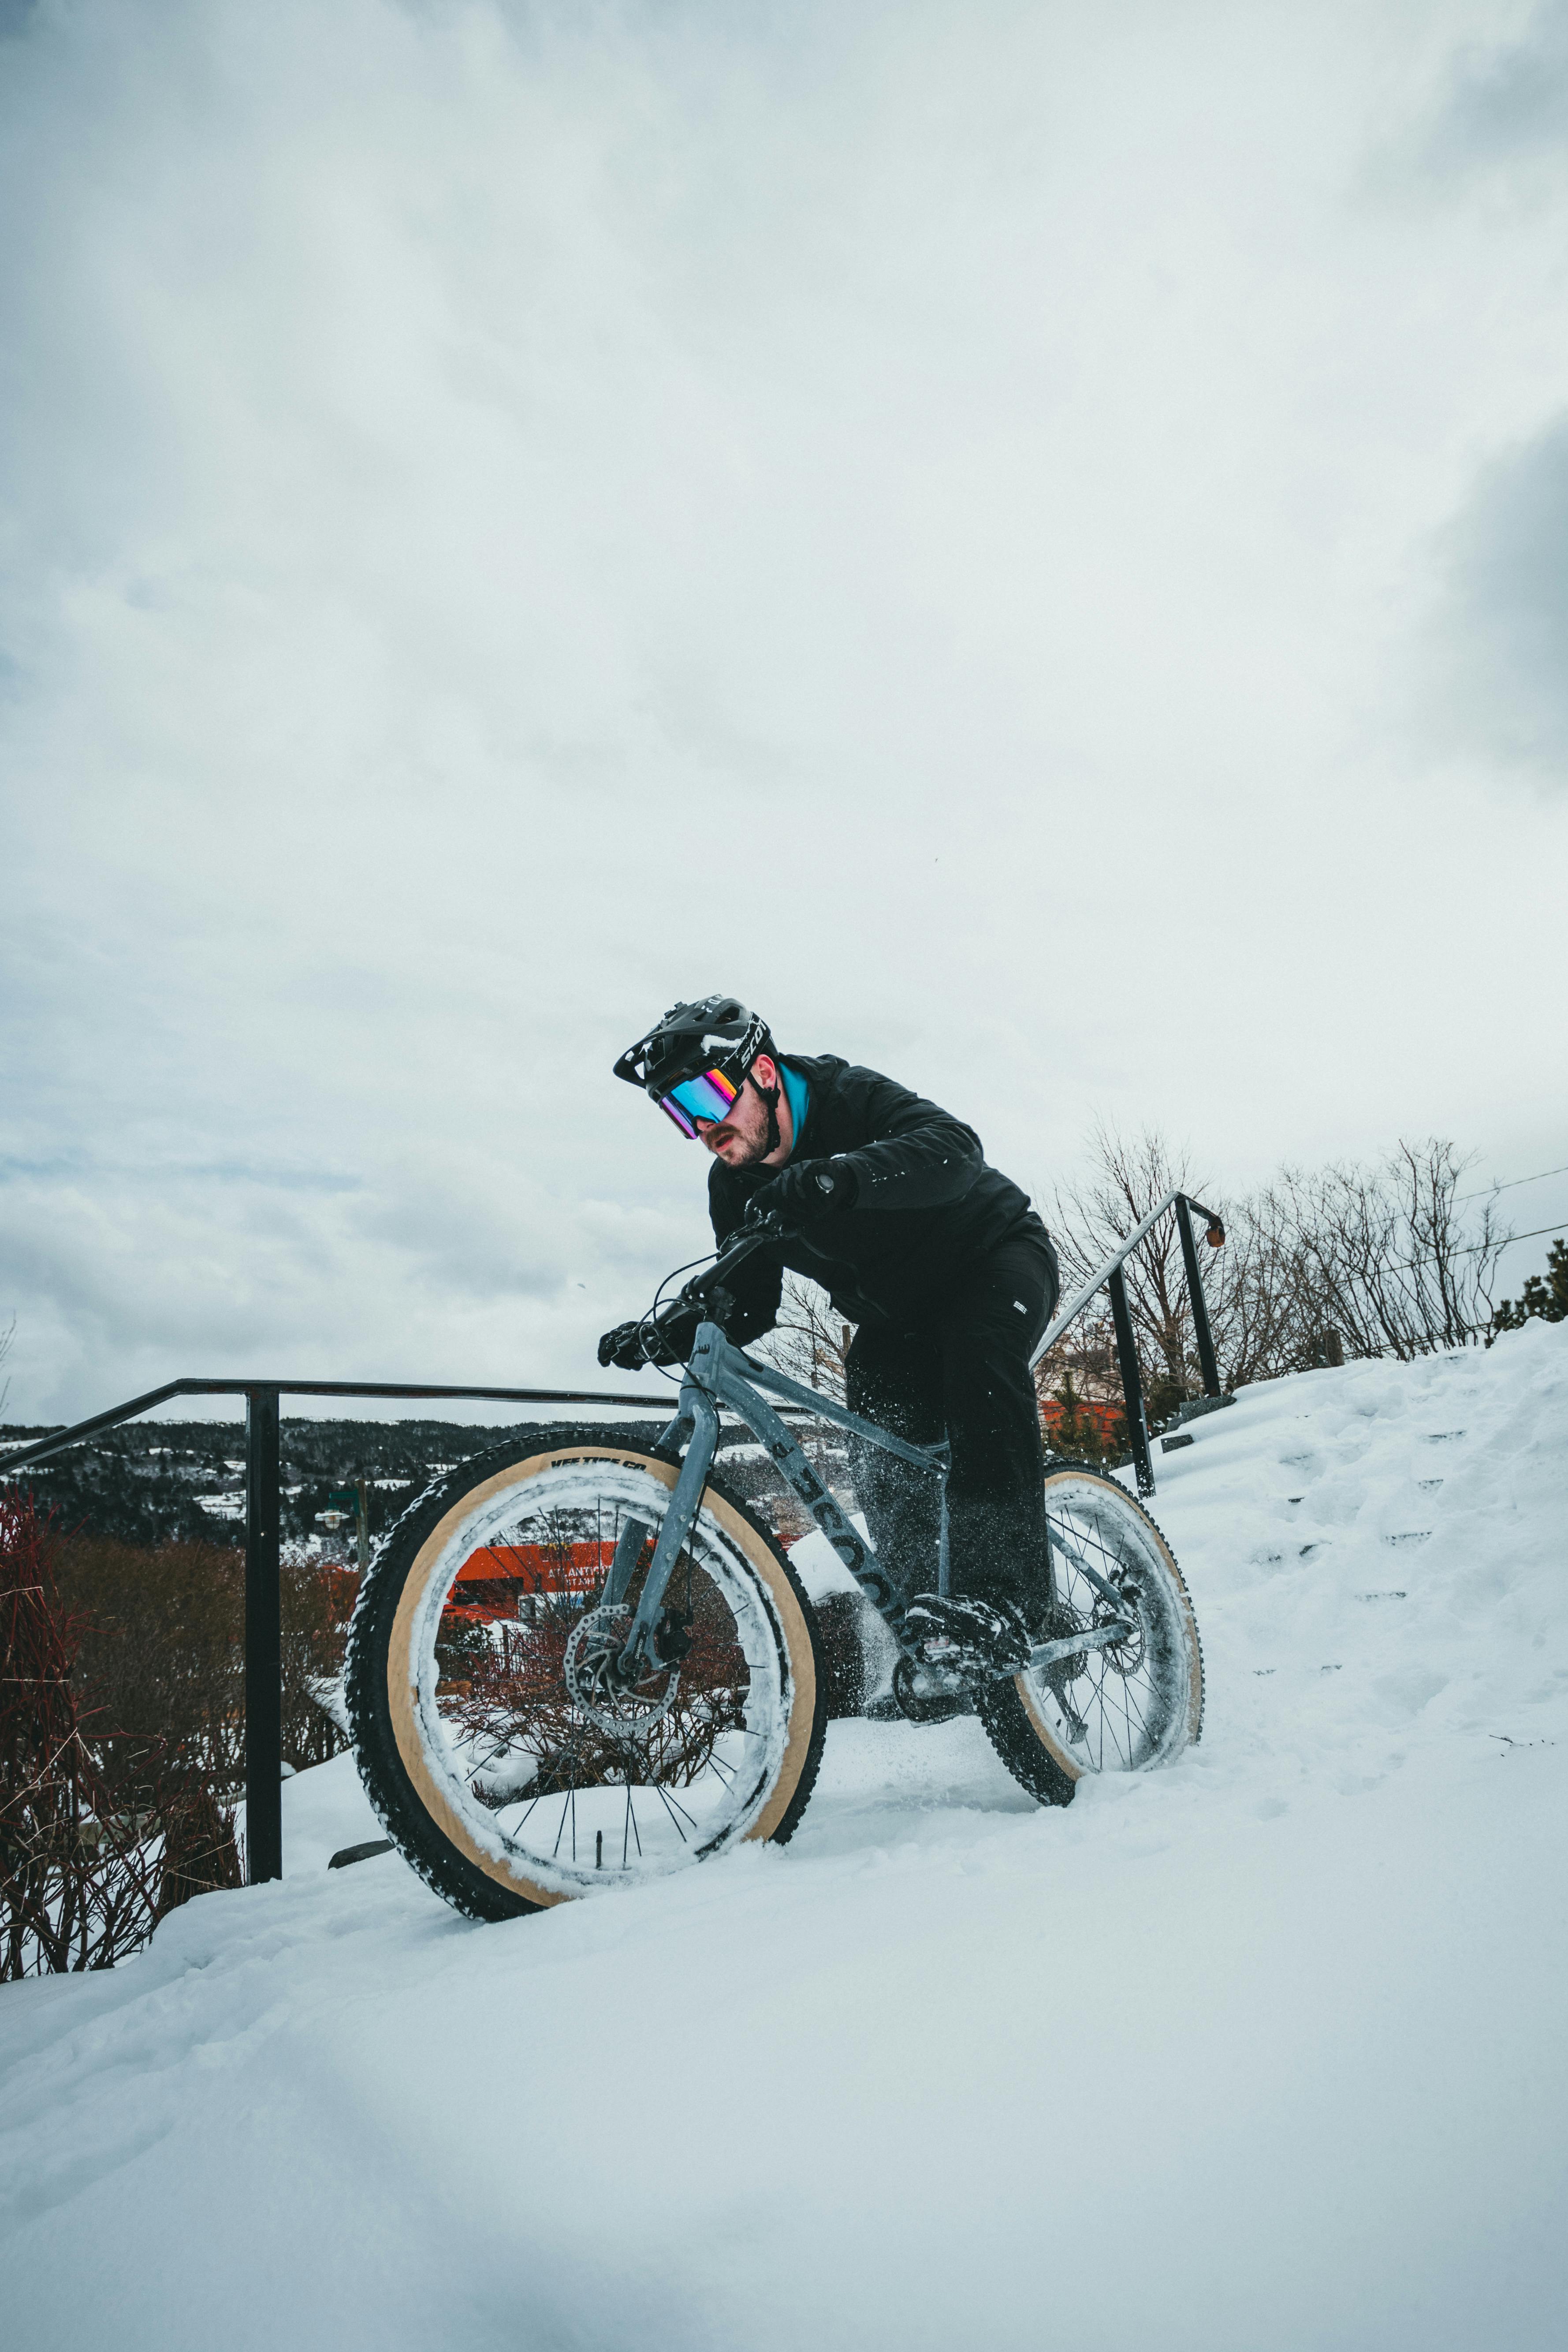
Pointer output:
x,y
963,1373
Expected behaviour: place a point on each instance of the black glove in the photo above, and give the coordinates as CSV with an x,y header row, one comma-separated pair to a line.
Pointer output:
x,y
805,1191
630,1346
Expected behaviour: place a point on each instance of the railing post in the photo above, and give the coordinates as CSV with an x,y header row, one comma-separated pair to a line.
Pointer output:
x,y
1131,1386
263,1642
1207,1361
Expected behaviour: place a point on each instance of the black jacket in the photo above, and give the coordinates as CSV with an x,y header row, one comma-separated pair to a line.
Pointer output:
x,y
928,1205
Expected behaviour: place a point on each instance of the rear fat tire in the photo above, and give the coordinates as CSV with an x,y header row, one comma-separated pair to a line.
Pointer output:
x,y
1024,1732
384,1727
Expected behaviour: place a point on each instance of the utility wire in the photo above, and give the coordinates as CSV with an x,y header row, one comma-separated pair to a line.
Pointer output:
x,y
1471,1247
1512,1186
1535,1236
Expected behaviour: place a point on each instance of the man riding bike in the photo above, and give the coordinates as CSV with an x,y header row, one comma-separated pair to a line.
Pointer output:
x,y
938,1259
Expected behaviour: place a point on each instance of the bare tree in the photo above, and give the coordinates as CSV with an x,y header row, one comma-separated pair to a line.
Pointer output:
x,y
809,1342
1380,1257
1347,1261
1126,1179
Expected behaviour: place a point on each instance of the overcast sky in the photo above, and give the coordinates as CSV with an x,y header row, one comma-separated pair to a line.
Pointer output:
x,y
1030,541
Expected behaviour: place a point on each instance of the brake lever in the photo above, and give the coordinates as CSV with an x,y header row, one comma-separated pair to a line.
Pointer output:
x,y
753,1232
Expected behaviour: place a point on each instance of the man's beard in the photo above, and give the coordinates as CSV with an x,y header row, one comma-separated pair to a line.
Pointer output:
x,y
754,1151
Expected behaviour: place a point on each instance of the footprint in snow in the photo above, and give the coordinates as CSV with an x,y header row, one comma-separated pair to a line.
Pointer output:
x,y
1411,1689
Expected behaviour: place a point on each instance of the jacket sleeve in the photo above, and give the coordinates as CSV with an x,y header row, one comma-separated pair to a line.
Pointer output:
x,y
757,1285
919,1156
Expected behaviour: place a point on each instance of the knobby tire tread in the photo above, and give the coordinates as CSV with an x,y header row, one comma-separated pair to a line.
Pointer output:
x,y
1001,1711
393,1800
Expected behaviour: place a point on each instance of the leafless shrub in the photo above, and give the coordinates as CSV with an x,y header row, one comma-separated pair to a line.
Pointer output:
x,y
199,1853
122,1728
78,1881
162,1662
511,1699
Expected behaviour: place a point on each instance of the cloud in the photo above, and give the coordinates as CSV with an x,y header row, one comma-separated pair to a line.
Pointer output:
x,y
1506,102
510,516
1504,640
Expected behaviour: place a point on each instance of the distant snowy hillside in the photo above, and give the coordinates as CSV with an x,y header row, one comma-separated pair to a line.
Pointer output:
x,y
1264,2053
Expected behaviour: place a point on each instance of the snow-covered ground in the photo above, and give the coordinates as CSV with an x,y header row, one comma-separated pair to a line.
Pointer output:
x,y
1262,2053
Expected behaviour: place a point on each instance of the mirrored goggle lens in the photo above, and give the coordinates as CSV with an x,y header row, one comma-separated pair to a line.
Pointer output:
x,y
710,1095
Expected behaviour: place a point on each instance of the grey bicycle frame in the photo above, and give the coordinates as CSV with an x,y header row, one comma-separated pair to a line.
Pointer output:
x,y
718,1373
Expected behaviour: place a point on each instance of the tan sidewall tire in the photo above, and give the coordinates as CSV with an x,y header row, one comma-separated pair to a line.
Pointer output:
x,y
1013,1720
803,1738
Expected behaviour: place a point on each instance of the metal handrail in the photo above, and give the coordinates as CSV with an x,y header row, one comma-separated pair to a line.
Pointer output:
x,y
263,1583
139,1405
1110,1278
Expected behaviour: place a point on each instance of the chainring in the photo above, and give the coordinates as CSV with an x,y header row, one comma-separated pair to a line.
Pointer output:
x,y
938,1702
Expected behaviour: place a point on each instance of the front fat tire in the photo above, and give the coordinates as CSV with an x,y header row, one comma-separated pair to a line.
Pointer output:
x,y
383,1724
1027,1735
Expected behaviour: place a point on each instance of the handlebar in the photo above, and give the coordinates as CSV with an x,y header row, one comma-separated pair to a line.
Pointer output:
x,y
756,1235
752,1238
705,1291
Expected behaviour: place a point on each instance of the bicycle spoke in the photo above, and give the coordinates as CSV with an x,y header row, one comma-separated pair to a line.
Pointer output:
x,y
670,1809
520,1730
680,1809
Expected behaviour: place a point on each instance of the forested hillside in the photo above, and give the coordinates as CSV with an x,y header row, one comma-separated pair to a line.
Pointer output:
x,y
153,1481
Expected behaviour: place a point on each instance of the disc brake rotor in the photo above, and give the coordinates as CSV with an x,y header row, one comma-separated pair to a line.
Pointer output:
x,y
1122,1657
593,1655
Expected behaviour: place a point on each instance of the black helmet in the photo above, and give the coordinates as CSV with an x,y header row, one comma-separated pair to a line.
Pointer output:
x,y
716,1032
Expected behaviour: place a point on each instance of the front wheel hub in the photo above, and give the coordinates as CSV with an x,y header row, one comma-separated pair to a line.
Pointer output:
x,y
622,1700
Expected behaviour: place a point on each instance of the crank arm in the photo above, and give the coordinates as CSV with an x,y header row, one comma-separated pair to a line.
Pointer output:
x,y
1050,1652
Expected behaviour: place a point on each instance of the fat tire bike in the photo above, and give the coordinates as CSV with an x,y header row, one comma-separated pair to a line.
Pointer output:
x,y
586,1663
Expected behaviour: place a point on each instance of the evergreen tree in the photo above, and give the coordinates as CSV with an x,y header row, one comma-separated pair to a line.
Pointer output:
x,y
1545,1296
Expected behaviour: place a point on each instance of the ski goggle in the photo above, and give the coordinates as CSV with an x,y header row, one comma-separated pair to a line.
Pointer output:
x,y
710,1094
